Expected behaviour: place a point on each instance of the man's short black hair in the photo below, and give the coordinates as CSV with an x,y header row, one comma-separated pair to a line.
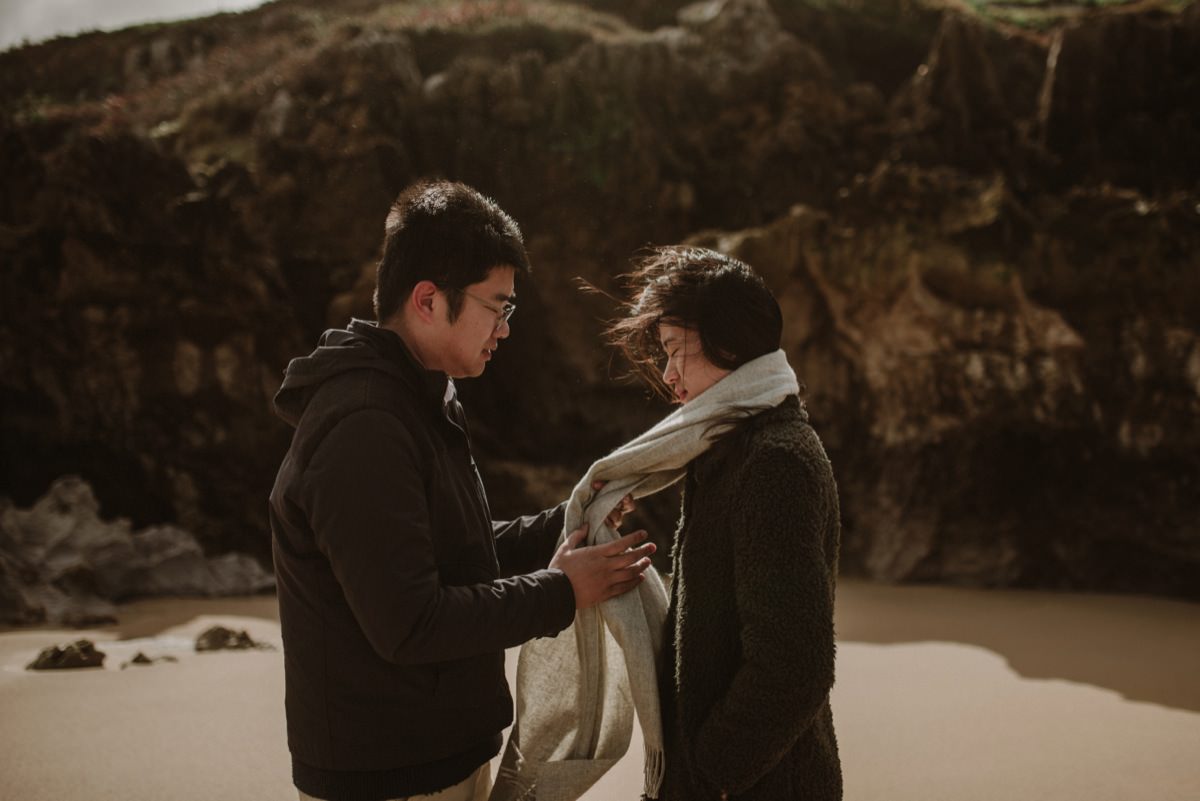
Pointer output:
x,y
444,232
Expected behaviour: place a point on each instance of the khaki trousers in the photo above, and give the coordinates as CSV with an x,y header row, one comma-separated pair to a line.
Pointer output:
x,y
475,787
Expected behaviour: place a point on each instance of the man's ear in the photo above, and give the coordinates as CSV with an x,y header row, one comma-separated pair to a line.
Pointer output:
x,y
423,301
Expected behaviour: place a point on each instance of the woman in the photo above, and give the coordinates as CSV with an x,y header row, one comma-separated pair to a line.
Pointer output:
x,y
748,654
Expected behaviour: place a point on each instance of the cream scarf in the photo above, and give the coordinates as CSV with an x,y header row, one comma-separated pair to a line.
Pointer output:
x,y
577,692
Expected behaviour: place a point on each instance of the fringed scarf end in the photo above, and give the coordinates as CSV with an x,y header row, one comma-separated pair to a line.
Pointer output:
x,y
654,772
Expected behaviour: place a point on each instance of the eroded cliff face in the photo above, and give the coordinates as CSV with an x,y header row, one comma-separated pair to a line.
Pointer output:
x,y
980,434
985,240
142,335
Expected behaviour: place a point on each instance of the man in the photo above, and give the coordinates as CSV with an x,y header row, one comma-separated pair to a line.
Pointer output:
x,y
393,603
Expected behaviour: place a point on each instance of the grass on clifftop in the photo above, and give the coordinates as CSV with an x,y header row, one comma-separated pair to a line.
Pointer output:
x,y
1045,14
481,16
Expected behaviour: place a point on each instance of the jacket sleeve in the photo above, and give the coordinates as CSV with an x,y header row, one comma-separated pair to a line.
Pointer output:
x,y
365,497
784,595
528,543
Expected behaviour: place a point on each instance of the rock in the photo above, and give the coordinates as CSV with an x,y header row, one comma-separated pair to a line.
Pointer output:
x,y
647,14
952,402
175,565
79,654
141,659
70,606
749,35
60,563
276,119
985,256
973,102
146,62
1124,119
219,638
173,354
881,43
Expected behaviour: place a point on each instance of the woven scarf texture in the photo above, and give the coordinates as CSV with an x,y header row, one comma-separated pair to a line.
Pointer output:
x,y
577,692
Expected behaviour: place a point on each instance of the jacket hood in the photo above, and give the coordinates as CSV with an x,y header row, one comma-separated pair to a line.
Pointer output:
x,y
361,346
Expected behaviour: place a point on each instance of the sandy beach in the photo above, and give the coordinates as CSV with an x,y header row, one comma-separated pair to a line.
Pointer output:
x,y
942,693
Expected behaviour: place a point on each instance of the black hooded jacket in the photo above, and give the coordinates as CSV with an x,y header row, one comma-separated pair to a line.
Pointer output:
x,y
394,612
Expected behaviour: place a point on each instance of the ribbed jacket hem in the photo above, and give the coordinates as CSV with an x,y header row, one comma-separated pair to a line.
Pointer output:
x,y
379,785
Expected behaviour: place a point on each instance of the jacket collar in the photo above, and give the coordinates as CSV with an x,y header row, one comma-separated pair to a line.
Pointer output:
x,y
434,386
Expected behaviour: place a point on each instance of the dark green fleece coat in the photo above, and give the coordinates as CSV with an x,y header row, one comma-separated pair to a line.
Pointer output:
x,y
749,642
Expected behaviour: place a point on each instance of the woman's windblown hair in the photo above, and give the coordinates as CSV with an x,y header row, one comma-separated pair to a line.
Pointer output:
x,y
737,317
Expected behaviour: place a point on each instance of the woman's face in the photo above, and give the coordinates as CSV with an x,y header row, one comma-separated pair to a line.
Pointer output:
x,y
688,373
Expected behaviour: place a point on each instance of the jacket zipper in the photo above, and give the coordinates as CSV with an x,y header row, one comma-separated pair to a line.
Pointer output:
x,y
483,511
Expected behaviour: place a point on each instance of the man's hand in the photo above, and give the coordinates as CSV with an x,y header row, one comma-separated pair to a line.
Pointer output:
x,y
600,572
619,511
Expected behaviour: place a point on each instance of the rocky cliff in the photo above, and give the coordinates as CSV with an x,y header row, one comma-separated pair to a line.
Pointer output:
x,y
984,230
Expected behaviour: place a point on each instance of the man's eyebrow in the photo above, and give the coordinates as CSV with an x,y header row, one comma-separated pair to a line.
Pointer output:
x,y
508,298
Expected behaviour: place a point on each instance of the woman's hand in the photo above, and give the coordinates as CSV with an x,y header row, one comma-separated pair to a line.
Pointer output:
x,y
619,511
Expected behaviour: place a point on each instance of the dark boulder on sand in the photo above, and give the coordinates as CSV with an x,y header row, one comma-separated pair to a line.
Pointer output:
x,y
140,659
79,654
219,638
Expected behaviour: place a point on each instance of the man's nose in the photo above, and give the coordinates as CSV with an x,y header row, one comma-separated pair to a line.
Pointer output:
x,y
504,330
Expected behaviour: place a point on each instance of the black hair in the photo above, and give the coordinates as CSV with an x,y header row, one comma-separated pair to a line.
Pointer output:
x,y
718,296
448,233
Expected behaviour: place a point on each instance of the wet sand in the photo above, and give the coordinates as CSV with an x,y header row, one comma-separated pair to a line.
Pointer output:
x,y
942,693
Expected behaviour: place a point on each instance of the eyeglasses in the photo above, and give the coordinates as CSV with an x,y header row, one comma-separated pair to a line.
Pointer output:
x,y
502,313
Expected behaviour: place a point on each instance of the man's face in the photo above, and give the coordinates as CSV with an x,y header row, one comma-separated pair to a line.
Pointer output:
x,y
467,344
